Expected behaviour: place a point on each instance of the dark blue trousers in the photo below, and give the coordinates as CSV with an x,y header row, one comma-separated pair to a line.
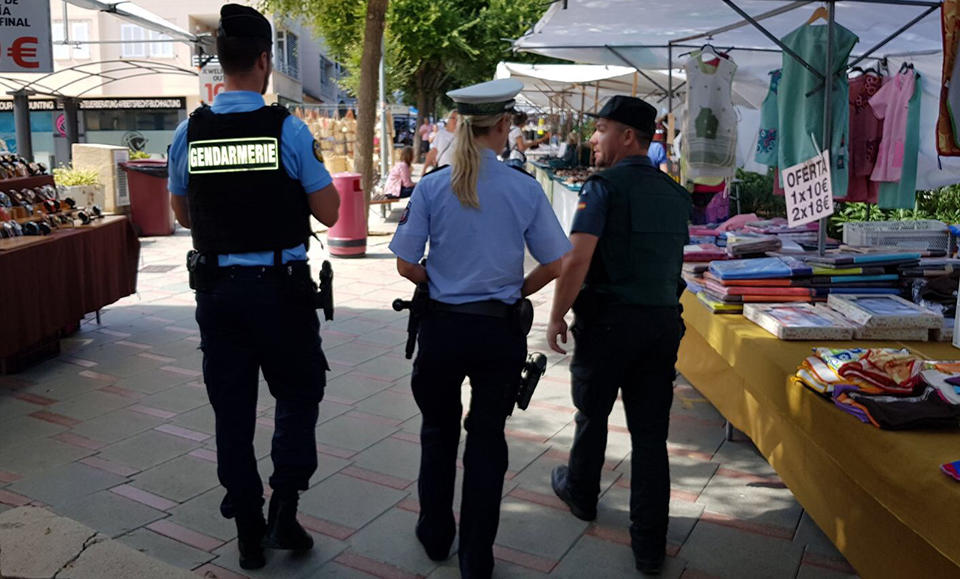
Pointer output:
x,y
248,327
491,352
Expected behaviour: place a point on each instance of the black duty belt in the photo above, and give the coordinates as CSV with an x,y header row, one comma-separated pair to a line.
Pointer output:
x,y
490,308
246,272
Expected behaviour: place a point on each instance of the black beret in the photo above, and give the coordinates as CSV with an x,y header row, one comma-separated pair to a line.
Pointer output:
x,y
243,21
630,111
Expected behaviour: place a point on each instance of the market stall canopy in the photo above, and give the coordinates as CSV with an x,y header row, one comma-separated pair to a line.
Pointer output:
x,y
576,86
638,33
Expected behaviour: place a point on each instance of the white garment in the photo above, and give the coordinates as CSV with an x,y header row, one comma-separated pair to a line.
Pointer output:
x,y
443,143
710,123
515,153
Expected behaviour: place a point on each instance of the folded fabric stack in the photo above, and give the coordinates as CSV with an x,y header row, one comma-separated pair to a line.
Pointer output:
x,y
883,387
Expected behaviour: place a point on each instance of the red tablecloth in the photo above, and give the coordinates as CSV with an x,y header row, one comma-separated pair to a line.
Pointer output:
x,y
50,284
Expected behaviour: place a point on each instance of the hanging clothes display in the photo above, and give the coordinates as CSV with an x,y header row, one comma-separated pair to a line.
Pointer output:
x,y
710,122
903,194
865,135
769,122
801,115
948,140
892,104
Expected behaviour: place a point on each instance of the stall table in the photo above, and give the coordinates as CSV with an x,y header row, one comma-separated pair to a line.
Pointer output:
x,y
48,283
879,495
563,198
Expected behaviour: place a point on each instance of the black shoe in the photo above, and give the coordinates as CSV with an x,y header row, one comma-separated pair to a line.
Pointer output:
x,y
250,530
560,480
435,549
283,530
650,566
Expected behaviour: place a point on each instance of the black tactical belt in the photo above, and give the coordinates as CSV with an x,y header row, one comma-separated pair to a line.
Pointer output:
x,y
491,308
245,272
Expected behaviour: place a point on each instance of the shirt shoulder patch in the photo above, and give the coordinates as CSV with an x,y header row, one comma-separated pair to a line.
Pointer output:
x,y
318,151
406,214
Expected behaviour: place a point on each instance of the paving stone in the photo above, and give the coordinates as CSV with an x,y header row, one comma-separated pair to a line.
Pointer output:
x,y
116,426
38,543
391,538
352,388
393,457
537,421
727,552
391,404
201,419
386,337
353,353
108,352
352,433
178,399
388,367
816,541
743,456
522,453
202,514
413,425
11,408
262,441
154,381
334,570
813,572
109,513
90,405
65,484
165,549
66,386
25,429
703,437
349,501
614,512
592,557
118,561
40,455
148,449
180,348
180,479
502,570
131,366
536,529
160,336
284,564
686,473
750,501
192,362
355,326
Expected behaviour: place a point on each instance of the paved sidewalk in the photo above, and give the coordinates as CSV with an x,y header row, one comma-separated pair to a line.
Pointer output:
x,y
117,434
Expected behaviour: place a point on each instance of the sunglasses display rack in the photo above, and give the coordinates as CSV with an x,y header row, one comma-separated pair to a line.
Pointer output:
x,y
31,207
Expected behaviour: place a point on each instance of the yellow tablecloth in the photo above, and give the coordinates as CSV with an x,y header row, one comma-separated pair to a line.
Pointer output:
x,y
879,495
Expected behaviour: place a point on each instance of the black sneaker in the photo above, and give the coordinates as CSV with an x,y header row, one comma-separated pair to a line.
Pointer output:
x,y
650,567
250,531
283,530
560,480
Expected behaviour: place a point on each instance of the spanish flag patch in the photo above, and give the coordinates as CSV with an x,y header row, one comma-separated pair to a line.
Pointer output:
x,y
581,205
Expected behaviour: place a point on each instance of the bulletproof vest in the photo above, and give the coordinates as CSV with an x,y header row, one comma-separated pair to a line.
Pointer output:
x,y
639,256
239,194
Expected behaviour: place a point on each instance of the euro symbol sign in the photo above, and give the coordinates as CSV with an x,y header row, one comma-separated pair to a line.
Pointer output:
x,y
23,54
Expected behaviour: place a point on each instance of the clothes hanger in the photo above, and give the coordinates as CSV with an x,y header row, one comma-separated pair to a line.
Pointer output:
x,y
819,13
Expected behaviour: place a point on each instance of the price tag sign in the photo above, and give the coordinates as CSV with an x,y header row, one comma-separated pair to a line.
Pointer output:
x,y
25,36
809,190
211,81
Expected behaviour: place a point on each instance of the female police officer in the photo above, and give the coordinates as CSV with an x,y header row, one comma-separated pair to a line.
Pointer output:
x,y
478,216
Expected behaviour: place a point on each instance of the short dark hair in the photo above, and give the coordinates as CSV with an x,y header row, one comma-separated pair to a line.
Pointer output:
x,y
519,118
238,54
643,138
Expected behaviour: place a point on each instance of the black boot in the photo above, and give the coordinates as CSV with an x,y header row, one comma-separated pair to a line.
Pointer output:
x,y
250,530
283,529
560,480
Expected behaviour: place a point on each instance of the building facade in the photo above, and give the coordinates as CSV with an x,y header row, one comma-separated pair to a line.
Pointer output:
x,y
143,110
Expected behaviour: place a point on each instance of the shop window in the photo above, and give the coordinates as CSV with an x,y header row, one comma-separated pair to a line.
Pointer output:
x,y
133,37
79,32
128,120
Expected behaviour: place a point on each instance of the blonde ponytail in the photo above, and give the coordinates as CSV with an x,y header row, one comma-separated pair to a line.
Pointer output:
x,y
467,156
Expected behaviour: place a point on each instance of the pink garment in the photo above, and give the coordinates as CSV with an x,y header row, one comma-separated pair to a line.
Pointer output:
x,y
425,130
399,177
892,103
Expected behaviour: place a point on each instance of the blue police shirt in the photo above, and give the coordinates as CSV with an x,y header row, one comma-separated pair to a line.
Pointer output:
x,y
657,154
477,254
296,150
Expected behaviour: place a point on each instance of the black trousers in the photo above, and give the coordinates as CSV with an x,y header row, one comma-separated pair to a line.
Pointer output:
x,y
247,327
491,353
636,358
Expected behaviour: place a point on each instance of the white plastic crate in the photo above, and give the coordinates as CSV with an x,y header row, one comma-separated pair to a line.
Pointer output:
x,y
919,234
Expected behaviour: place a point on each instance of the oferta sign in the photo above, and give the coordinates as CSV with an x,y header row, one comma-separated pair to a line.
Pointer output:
x,y
234,155
25,36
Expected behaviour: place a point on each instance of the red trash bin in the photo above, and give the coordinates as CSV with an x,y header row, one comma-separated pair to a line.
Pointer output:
x,y
348,237
149,198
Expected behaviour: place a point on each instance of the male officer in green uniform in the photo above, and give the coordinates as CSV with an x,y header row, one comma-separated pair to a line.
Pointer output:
x,y
621,280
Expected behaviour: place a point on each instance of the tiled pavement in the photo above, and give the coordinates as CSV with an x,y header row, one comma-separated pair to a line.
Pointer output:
x,y
117,434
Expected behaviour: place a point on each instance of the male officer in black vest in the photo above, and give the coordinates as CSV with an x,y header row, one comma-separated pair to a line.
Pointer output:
x,y
245,179
621,280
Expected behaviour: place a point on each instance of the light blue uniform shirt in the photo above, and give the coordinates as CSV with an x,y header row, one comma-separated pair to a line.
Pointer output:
x,y
477,254
296,151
